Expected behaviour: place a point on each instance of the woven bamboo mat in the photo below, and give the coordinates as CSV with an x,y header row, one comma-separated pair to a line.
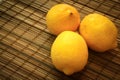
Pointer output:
x,y
25,41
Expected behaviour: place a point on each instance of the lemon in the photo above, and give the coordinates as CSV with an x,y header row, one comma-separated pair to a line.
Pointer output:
x,y
62,17
99,32
69,52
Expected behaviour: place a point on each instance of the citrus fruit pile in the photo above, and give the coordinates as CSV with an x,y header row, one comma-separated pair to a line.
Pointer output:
x,y
69,51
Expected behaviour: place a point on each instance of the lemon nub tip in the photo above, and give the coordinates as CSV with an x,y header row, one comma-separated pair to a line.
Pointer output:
x,y
70,12
67,72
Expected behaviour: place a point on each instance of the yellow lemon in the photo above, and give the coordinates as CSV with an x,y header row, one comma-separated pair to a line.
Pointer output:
x,y
99,32
62,17
69,52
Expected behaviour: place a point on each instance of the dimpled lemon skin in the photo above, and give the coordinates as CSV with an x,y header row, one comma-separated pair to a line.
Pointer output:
x,y
62,17
69,52
99,32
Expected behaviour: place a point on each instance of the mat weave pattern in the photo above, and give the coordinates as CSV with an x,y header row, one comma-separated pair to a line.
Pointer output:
x,y
25,41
